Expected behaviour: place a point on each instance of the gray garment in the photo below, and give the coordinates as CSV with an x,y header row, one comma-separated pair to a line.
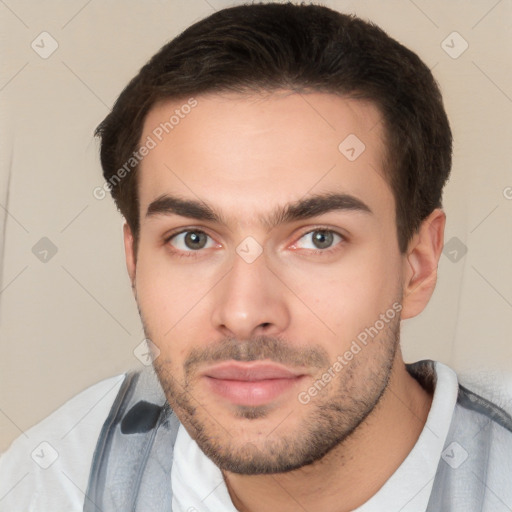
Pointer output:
x,y
480,435
131,465
131,469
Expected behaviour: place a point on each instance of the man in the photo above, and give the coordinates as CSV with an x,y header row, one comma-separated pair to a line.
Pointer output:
x,y
280,169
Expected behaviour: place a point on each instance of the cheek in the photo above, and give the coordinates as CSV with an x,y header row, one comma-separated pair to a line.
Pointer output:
x,y
164,293
349,294
164,316
171,296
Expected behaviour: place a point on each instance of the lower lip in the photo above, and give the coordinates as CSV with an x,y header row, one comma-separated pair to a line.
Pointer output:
x,y
251,393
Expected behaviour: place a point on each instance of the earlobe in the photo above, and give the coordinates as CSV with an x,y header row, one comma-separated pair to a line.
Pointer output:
x,y
420,264
129,252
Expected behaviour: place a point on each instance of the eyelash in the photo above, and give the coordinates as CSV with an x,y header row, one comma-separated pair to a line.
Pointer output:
x,y
184,254
323,252
195,254
329,250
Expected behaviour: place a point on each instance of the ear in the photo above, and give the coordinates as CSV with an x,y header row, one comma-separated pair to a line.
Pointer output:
x,y
420,264
129,252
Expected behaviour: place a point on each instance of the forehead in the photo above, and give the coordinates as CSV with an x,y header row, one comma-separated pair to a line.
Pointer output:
x,y
249,153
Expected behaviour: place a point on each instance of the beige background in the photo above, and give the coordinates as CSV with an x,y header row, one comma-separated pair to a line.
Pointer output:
x,y
71,321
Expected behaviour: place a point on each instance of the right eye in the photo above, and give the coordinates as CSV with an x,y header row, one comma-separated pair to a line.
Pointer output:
x,y
191,240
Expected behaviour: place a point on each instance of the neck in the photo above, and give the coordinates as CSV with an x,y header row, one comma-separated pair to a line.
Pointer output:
x,y
356,469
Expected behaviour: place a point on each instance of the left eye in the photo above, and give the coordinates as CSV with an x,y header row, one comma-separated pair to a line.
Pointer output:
x,y
191,241
318,239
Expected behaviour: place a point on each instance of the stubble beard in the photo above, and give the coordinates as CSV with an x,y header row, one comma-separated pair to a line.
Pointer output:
x,y
331,417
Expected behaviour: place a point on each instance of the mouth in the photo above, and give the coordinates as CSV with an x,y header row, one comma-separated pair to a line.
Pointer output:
x,y
251,384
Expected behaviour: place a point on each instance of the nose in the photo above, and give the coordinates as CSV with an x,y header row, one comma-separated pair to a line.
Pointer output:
x,y
251,300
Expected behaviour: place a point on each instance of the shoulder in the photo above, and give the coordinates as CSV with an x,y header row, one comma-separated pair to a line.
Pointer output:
x,y
47,467
478,449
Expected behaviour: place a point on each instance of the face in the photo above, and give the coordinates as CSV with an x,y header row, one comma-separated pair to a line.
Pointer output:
x,y
268,273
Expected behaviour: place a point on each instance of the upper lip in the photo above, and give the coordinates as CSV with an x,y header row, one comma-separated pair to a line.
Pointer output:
x,y
253,371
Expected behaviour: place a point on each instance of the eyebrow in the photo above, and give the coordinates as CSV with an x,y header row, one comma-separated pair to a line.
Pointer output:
x,y
302,209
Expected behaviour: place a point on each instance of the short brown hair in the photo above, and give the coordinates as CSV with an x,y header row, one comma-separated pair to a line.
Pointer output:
x,y
268,47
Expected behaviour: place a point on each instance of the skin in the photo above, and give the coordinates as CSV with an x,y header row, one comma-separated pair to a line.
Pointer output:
x,y
244,156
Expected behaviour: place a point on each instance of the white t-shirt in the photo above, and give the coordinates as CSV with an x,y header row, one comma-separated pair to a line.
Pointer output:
x,y
47,469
